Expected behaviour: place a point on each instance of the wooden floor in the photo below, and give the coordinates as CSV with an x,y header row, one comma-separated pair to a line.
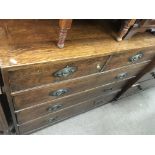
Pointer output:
x,y
33,41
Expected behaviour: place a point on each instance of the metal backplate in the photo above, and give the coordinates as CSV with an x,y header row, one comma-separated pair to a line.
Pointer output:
x,y
65,71
136,57
59,92
122,76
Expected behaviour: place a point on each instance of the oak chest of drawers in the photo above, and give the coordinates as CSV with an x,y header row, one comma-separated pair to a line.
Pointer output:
x,y
45,85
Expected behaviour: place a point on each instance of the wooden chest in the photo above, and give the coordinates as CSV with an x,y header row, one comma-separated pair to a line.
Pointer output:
x,y
45,85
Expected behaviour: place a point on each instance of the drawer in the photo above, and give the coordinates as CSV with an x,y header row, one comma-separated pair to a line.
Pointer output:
x,y
148,76
64,114
128,58
57,105
69,87
40,74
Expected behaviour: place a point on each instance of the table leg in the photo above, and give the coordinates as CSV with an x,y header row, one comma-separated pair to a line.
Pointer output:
x,y
65,25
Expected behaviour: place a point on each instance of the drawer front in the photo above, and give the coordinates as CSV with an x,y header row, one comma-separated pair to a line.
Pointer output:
x,y
63,114
57,105
74,86
36,75
128,58
148,76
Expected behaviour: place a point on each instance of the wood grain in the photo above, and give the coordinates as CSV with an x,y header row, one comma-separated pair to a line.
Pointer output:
x,y
32,41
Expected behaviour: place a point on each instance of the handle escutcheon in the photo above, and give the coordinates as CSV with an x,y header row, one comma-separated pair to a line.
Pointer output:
x,y
136,57
65,71
59,92
121,76
54,107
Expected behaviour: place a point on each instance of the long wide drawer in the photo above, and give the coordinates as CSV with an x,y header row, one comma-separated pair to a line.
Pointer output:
x,y
69,87
131,57
64,114
40,74
21,78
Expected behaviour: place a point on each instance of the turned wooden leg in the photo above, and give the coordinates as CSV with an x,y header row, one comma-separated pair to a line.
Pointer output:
x,y
125,28
62,38
65,25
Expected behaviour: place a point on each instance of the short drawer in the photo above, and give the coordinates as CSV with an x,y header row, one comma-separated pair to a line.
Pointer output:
x,y
131,57
57,105
40,74
64,114
69,87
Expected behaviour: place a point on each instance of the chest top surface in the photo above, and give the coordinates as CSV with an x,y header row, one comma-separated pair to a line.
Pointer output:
x,y
25,42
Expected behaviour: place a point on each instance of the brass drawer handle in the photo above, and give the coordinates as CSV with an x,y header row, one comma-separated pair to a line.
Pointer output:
x,y
53,119
54,107
153,74
121,76
59,92
65,72
136,57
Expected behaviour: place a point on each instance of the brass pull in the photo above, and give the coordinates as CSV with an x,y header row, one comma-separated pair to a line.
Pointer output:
x,y
121,76
65,72
59,92
136,57
52,120
54,107
153,74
